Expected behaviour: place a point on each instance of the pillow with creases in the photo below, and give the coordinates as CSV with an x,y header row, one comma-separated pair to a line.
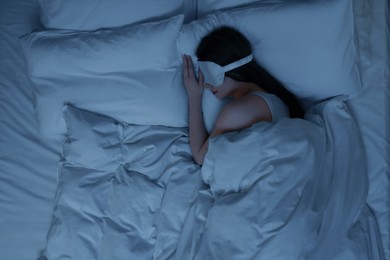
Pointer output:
x,y
205,7
307,45
211,106
96,14
130,73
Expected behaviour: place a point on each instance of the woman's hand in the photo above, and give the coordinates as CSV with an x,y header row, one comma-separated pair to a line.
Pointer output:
x,y
193,85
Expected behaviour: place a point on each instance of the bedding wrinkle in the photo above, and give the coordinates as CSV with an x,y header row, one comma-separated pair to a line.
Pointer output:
x,y
149,190
368,109
133,191
292,189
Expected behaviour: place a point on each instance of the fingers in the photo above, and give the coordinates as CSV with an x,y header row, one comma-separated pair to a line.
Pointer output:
x,y
190,66
188,70
185,66
201,78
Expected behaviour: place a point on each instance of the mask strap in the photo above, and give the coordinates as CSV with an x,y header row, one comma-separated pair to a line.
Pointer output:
x,y
238,63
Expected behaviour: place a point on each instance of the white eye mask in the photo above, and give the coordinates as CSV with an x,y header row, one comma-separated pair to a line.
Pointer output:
x,y
214,74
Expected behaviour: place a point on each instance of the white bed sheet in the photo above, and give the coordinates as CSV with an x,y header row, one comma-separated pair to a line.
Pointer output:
x,y
302,192
372,107
28,163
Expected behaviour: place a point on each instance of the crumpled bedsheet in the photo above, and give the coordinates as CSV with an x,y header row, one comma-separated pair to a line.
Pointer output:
x,y
290,190
293,189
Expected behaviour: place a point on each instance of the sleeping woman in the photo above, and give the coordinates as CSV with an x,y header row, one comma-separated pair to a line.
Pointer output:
x,y
227,69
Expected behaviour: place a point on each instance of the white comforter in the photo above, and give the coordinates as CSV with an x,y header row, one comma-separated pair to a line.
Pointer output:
x,y
294,189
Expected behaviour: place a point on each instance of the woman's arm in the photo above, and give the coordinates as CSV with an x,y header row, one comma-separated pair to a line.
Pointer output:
x,y
236,115
197,131
233,116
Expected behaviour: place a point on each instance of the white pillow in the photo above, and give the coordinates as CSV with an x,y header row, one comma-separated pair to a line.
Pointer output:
x,y
309,47
211,106
208,6
129,73
95,14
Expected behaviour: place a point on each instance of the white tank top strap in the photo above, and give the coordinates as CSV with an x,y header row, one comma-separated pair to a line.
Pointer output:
x,y
277,107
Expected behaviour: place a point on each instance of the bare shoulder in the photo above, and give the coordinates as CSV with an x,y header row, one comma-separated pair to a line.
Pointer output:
x,y
248,107
241,113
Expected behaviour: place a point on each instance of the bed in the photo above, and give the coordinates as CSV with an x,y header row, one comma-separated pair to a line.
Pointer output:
x,y
94,150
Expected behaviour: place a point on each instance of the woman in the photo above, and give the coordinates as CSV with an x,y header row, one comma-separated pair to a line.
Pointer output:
x,y
227,68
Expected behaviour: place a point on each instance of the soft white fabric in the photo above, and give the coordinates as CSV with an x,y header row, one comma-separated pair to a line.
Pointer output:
x,y
28,162
56,53
308,46
270,151
100,136
276,106
131,73
372,107
95,14
211,106
208,6
286,190
214,74
120,215
134,192
123,190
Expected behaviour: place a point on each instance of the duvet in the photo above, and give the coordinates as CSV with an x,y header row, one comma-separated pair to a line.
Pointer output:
x,y
293,189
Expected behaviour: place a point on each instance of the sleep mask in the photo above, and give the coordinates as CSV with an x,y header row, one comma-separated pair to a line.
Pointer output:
x,y
214,74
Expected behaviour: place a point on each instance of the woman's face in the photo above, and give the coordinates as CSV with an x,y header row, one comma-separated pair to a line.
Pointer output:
x,y
225,90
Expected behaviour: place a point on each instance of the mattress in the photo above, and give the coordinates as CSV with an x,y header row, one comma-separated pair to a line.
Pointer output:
x,y
29,161
28,167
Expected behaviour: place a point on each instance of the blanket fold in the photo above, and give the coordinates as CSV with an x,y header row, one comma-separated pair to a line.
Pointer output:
x,y
293,189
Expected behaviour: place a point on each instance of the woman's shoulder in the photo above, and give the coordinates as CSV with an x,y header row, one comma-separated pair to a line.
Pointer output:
x,y
250,105
241,113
